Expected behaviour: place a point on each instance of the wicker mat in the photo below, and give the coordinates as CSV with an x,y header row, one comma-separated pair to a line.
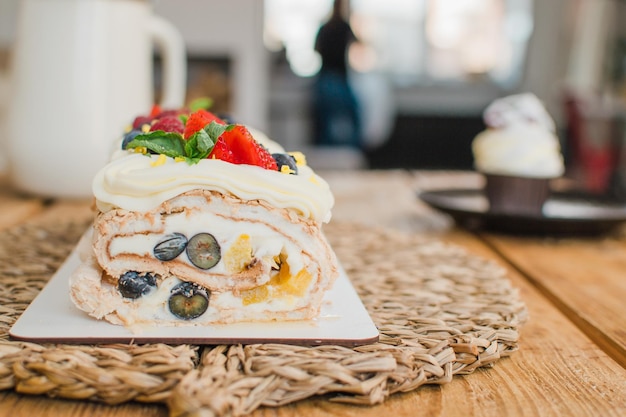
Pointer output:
x,y
440,312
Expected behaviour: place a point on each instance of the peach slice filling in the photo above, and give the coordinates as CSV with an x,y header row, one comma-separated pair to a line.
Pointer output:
x,y
282,284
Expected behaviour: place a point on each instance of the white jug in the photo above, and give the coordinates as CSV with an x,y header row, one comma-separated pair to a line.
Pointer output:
x,y
81,70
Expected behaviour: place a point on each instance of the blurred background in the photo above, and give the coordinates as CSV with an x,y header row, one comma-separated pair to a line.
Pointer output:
x,y
422,72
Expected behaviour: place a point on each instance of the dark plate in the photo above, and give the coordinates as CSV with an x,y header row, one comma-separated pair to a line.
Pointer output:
x,y
563,214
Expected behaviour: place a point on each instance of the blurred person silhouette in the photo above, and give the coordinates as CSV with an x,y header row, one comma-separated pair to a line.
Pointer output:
x,y
336,109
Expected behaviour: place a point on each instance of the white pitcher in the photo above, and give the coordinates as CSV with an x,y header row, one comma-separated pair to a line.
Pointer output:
x,y
81,70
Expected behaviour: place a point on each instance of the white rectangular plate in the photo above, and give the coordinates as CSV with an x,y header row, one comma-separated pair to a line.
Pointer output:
x,y
53,318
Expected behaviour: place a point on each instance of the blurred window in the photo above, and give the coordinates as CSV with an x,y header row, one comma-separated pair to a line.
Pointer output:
x,y
413,41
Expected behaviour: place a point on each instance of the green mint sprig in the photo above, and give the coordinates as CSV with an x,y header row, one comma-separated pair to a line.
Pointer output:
x,y
197,147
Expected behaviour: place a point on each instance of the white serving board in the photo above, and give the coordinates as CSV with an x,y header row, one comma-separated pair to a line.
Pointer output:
x,y
53,318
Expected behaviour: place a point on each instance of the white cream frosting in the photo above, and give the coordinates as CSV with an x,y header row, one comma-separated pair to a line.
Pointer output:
x,y
518,150
519,140
135,182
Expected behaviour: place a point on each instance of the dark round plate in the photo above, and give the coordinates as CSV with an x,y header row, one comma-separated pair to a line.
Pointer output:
x,y
563,214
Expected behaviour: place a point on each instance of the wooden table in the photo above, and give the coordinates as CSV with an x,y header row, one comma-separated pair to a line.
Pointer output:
x,y
572,355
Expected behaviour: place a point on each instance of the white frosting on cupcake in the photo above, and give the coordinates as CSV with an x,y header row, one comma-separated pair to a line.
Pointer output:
x,y
520,140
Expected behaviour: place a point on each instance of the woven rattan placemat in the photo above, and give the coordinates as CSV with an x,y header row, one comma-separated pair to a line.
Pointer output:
x,y
440,310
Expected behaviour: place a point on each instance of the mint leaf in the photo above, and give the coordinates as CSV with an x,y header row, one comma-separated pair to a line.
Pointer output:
x,y
200,103
168,143
205,142
199,145
215,129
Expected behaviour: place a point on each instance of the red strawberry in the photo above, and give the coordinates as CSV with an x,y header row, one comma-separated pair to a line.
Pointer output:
x,y
266,160
168,124
221,151
198,120
247,150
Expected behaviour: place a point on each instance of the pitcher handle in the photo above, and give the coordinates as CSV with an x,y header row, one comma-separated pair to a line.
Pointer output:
x,y
171,45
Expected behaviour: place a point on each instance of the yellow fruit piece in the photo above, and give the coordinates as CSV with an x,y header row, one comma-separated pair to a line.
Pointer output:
x,y
160,161
280,286
239,255
255,295
297,284
283,274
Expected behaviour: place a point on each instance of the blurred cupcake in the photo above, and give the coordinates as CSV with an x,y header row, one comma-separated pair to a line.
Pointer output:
x,y
519,153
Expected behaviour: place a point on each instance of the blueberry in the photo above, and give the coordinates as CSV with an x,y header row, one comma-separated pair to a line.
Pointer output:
x,y
286,159
170,247
203,251
133,285
130,136
188,300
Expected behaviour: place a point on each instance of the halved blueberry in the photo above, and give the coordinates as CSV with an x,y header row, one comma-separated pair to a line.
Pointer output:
x,y
188,300
170,247
204,251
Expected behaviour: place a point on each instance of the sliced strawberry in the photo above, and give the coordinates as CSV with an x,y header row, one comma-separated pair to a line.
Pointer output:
x,y
221,151
265,157
247,150
168,124
197,120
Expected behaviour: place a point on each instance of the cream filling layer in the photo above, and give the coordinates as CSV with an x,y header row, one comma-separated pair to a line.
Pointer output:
x,y
265,244
155,305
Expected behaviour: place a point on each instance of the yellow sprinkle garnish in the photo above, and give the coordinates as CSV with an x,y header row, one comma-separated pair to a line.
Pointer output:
x,y
300,158
179,159
313,180
141,149
286,170
160,161
128,128
145,128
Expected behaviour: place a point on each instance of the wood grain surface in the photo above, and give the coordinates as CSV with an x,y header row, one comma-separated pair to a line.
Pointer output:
x,y
585,278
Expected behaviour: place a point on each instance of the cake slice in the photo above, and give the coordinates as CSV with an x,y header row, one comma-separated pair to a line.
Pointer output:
x,y
206,223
